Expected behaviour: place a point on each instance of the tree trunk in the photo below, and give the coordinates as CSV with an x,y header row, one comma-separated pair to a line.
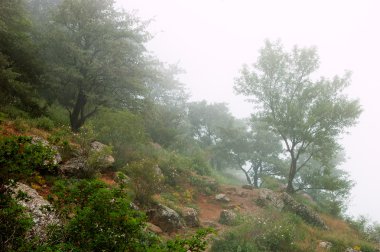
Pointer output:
x,y
291,176
77,117
246,175
256,177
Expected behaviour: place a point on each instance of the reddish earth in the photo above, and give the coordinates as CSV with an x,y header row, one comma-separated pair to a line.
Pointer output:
x,y
241,200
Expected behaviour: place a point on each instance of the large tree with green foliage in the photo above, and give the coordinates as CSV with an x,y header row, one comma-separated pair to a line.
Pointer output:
x,y
19,66
96,57
207,122
307,113
254,150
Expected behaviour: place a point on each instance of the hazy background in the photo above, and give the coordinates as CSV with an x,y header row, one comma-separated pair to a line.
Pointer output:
x,y
211,39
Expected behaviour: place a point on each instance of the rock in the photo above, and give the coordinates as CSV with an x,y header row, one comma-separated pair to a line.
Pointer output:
x,y
222,197
303,211
352,250
248,187
190,215
57,156
104,160
166,218
39,209
325,245
153,228
268,197
227,217
76,166
284,201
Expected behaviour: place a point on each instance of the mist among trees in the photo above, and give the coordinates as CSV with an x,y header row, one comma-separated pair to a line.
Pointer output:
x,y
84,64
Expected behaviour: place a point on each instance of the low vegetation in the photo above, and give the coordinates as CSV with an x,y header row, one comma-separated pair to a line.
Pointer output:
x,y
74,72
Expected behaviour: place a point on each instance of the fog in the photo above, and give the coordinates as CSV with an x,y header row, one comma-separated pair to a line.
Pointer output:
x,y
211,40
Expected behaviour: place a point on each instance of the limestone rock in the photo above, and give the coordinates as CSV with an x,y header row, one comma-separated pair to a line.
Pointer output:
x,y
227,217
325,245
74,167
166,218
303,211
222,197
39,209
268,197
153,228
190,215
105,160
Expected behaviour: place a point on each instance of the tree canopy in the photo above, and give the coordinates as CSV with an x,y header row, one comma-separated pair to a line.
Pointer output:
x,y
96,57
308,113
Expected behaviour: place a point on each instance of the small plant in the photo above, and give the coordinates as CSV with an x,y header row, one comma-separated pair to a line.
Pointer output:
x,y
271,233
44,123
19,158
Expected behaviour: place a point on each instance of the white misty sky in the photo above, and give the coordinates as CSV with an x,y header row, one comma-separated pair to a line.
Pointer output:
x,y
211,39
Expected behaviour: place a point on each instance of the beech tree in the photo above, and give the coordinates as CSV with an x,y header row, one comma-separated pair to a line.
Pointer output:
x,y
308,113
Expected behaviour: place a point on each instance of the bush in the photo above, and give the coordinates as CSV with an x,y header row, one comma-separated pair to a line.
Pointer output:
x,y
102,219
44,123
146,179
14,223
272,233
19,157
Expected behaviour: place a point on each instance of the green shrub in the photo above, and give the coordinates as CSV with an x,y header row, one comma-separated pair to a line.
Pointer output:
x,y
102,219
21,125
146,179
13,113
271,233
19,157
14,223
44,123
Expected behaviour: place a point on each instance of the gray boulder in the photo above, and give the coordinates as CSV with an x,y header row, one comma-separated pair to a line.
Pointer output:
x,y
303,211
228,217
39,209
270,198
190,215
76,166
222,197
104,159
166,218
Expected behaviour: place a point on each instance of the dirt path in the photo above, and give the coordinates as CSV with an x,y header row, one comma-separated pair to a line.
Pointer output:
x,y
241,200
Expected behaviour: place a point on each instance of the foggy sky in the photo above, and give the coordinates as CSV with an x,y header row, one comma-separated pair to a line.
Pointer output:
x,y
211,39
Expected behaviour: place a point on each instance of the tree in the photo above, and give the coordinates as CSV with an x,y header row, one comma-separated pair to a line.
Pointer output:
x,y
96,57
307,113
255,151
207,122
19,65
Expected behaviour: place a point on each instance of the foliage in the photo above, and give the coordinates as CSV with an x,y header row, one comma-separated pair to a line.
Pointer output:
x,y
196,243
14,223
102,219
260,234
147,179
19,157
307,114
121,129
19,66
96,57
44,123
